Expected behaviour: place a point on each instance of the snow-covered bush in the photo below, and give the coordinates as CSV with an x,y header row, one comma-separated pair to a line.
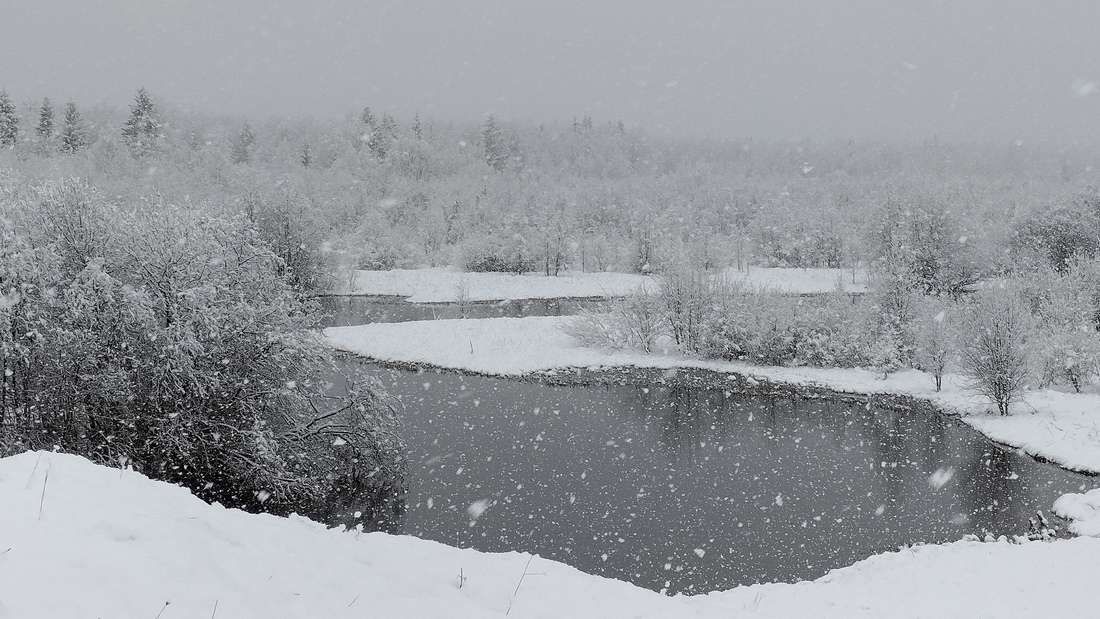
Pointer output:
x,y
993,350
1070,356
689,296
635,321
186,352
507,254
1065,343
830,332
771,329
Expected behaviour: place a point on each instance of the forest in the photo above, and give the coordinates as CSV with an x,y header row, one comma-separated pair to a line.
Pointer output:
x,y
159,267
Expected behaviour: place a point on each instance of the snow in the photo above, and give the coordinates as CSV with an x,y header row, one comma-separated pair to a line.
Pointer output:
x,y
80,540
1082,510
441,285
1061,427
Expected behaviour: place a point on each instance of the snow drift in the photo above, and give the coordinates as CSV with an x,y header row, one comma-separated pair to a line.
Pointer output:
x,y
80,540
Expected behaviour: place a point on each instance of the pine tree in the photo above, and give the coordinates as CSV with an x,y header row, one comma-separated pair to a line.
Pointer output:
x,y
72,132
306,156
143,131
492,140
45,120
389,127
242,145
9,121
367,117
417,128
380,138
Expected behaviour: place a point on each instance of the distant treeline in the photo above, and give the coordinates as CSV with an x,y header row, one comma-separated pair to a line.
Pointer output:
x,y
374,190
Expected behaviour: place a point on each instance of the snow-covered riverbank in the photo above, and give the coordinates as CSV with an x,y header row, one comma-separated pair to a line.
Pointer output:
x,y
80,540
1061,427
441,285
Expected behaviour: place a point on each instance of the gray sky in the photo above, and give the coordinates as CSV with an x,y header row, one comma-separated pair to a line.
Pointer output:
x,y
1001,69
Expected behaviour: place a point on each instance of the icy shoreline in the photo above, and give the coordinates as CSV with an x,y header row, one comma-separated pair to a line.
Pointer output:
x,y
77,539
1062,428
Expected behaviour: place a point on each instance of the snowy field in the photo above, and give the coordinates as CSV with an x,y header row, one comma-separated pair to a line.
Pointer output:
x,y
80,540
440,285
1061,427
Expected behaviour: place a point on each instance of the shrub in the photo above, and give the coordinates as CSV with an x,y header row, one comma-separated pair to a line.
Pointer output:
x,y
993,354
635,321
689,296
1067,355
490,254
188,354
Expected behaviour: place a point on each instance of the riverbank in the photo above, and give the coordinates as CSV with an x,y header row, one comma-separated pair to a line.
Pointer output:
x,y
1063,428
443,285
67,522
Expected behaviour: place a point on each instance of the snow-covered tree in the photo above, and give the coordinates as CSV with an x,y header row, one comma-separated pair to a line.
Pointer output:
x,y
9,121
143,131
493,144
72,136
45,126
993,350
241,151
933,338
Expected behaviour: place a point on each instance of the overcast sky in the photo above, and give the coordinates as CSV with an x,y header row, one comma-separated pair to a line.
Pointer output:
x,y
1001,69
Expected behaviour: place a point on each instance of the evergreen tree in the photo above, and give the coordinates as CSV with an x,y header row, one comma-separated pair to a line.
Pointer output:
x,y
389,127
492,140
379,142
242,145
367,117
142,132
306,157
9,121
417,129
72,132
45,120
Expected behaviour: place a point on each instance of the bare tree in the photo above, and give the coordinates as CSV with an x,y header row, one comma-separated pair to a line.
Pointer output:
x,y
993,355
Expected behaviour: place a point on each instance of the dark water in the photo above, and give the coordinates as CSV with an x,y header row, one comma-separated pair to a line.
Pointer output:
x,y
696,490
356,310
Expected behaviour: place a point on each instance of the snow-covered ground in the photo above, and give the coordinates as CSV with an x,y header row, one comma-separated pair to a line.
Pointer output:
x,y
80,540
440,285
1061,427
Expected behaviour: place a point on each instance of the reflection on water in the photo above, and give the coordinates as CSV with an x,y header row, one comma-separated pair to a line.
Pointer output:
x,y
344,311
692,489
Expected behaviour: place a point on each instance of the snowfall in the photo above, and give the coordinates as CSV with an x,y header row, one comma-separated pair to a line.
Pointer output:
x,y
444,285
82,540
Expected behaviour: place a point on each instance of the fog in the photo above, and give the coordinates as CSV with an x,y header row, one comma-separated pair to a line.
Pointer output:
x,y
780,69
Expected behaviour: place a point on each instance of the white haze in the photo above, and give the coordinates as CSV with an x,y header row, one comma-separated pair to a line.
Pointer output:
x,y
965,69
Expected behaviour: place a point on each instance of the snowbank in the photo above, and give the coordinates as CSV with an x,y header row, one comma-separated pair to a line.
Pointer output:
x,y
439,285
1061,427
1082,510
80,540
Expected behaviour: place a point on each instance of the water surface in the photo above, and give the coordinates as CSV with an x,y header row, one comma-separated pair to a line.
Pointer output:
x,y
694,490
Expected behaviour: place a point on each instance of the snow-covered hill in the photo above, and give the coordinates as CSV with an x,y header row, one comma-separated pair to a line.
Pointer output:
x,y
80,540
